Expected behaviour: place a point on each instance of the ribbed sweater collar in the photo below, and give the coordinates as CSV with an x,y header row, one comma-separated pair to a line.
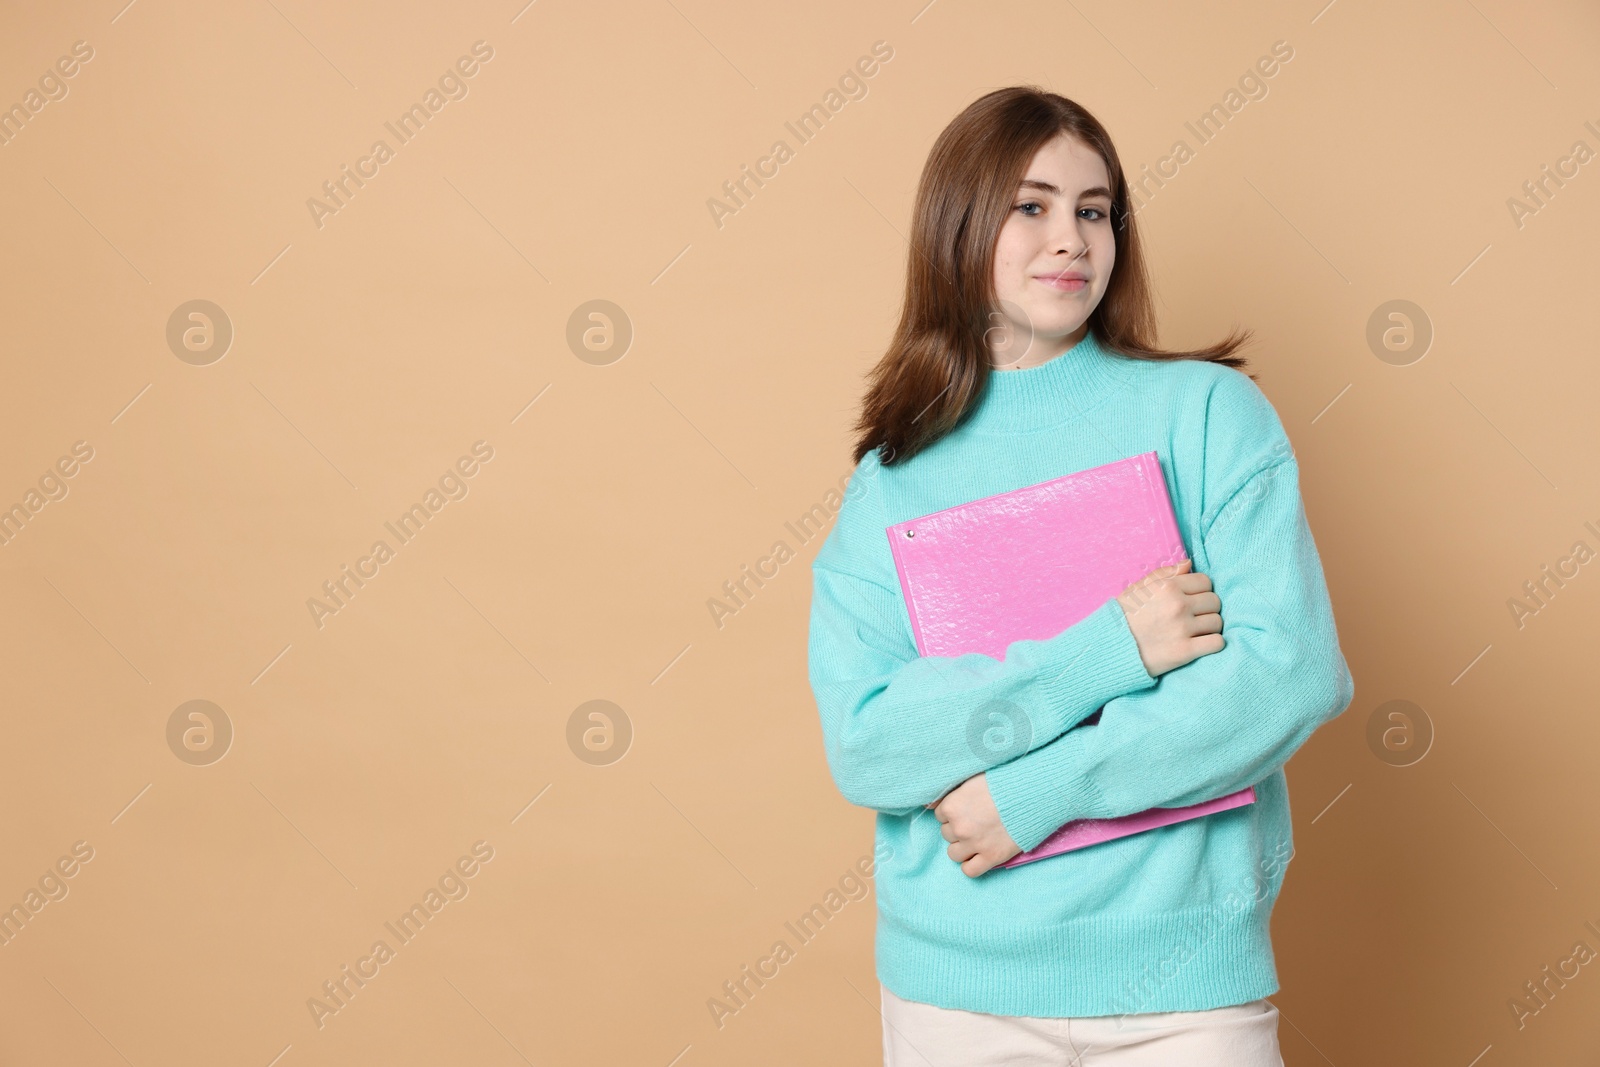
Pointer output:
x,y
1056,391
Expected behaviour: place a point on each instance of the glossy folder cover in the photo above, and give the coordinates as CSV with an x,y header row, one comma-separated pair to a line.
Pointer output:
x,y
1029,563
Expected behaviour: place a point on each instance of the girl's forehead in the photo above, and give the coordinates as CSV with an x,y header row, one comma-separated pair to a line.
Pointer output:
x,y
1064,161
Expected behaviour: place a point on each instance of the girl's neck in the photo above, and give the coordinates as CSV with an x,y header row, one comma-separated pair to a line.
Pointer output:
x,y
1030,399
1039,351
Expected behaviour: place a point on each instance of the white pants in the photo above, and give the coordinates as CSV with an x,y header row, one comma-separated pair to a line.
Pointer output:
x,y
923,1035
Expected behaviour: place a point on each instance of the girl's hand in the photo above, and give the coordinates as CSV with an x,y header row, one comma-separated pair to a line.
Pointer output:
x,y
971,823
1174,616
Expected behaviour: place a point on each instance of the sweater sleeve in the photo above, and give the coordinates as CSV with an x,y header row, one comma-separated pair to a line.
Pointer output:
x,y
900,729
1223,721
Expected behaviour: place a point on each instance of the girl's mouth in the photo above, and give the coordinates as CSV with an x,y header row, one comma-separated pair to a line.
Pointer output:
x,y
1066,283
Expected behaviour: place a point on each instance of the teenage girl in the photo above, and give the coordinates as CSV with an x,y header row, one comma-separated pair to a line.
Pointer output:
x,y
1025,351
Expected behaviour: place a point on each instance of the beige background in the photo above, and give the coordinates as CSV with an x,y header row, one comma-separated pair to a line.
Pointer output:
x,y
369,354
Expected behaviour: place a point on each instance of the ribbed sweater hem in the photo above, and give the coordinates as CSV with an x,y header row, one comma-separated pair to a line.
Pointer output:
x,y
1192,960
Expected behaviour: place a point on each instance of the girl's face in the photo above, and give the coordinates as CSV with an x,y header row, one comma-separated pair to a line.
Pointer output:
x,y
1053,258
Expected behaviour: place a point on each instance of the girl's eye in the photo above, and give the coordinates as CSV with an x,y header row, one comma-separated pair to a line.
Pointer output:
x,y
1028,204
1096,212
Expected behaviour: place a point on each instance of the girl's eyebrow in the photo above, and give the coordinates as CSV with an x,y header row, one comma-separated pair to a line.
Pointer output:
x,y
1046,187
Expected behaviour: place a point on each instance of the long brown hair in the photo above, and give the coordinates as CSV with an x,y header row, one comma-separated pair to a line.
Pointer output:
x,y
936,365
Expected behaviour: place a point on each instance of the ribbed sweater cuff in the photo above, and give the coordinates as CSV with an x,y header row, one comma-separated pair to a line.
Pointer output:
x,y
1101,662
1038,792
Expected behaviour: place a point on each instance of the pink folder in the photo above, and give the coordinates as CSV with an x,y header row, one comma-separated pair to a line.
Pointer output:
x,y
1030,563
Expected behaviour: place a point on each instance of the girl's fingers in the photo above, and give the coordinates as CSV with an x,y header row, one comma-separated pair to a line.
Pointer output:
x,y
961,851
1192,583
1205,611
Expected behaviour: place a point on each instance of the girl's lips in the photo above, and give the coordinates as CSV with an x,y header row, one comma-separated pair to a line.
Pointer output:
x,y
1065,285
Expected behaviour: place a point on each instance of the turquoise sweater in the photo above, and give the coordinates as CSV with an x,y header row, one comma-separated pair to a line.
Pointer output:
x,y
1173,919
